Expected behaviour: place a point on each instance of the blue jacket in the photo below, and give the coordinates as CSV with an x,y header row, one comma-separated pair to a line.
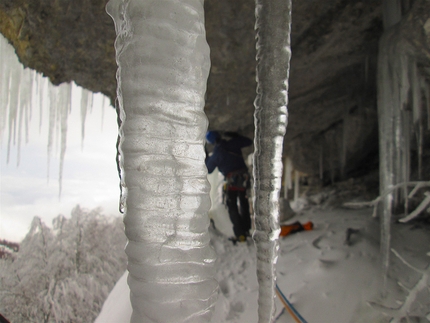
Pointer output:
x,y
227,155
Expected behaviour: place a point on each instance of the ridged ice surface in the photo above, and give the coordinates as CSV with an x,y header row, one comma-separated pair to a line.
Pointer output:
x,y
403,103
163,65
273,27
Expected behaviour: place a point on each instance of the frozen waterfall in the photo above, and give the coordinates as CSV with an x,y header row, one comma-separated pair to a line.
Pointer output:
x,y
163,65
273,25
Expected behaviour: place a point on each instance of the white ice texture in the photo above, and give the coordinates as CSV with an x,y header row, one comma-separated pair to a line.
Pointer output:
x,y
403,102
273,25
22,92
163,65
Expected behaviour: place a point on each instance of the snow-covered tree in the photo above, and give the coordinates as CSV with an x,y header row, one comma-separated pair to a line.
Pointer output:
x,y
59,270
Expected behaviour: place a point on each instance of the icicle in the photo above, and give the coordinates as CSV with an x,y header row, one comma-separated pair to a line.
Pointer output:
x,y
59,109
24,106
273,26
399,91
163,65
404,164
288,183
296,185
386,145
65,100
42,94
416,93
13,108
51,125
6,68
84,111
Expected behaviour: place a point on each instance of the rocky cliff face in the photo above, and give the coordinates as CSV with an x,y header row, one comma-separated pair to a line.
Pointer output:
x,y
332,110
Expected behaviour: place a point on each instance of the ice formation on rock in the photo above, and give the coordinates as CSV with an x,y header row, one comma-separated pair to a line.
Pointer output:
x,y
401,110
23,91
163,65
273,26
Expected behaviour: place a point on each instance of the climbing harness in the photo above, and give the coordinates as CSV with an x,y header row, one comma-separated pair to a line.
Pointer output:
x,y
238,180
290,308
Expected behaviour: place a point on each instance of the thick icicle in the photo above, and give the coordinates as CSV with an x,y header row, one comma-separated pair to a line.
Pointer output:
x,y
400,113
163,65
273,23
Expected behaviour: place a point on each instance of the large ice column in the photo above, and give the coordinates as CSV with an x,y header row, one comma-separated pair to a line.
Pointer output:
x,y
273,24
401,110
163,65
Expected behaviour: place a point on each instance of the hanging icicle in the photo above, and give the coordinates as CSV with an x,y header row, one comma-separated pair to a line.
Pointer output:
x,y
288,170
64,107
273,26
163,65
84,111
400,114
21,92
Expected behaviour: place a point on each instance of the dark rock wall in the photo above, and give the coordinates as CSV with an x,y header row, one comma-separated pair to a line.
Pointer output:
x,y
64,40
332,95
231,83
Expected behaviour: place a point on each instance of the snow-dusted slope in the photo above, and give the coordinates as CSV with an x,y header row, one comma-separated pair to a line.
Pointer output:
x,y
326,279
117,307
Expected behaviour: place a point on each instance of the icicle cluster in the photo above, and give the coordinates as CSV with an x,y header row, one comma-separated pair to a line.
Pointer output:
x,y
15,98
403,103
23,91
163,65
273,25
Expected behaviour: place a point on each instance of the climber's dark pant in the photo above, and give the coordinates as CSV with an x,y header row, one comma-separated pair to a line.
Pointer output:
x,y
240,217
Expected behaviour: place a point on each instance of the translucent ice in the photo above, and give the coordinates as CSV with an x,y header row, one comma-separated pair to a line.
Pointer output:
x,y
22,91
163,65
273,25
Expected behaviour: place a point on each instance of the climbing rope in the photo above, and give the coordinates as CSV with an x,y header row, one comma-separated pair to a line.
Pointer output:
x,y
290,308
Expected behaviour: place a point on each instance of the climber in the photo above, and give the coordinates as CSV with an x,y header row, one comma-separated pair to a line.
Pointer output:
x,y
227,156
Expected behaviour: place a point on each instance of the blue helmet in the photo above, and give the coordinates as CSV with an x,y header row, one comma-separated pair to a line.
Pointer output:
x,y
212,137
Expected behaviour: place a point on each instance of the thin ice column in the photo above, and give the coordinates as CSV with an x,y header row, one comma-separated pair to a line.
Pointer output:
x,y
163,65
273,25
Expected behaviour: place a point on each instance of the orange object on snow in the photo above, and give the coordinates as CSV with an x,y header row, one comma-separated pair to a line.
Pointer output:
x,y
295,227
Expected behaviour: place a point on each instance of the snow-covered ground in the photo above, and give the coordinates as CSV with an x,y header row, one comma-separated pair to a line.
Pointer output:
x,y
331,274
326,279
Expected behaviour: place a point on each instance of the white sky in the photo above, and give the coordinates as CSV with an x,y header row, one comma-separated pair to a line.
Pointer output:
x,y
90,178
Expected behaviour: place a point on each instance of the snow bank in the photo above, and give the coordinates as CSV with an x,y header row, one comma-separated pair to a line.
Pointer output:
x,y
326,279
